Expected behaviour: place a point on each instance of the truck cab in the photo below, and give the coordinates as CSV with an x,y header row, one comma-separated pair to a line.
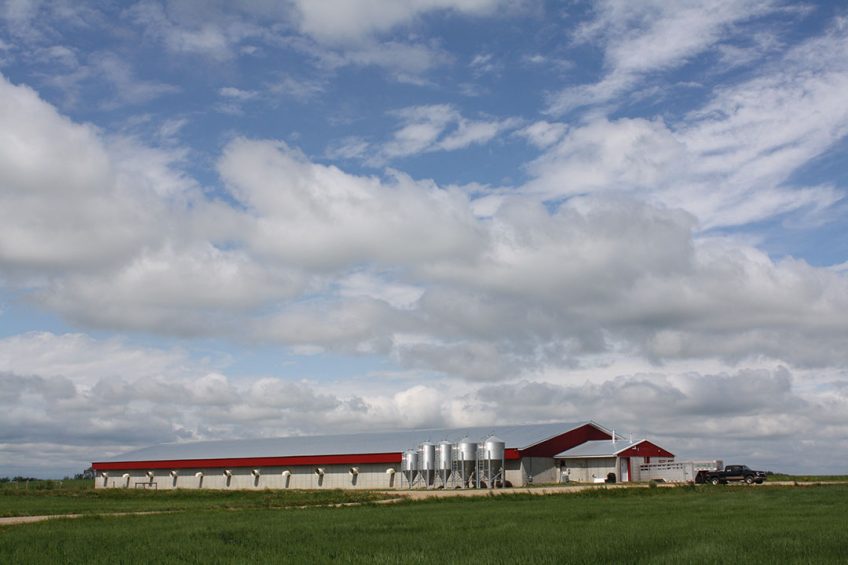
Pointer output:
x,y
735,472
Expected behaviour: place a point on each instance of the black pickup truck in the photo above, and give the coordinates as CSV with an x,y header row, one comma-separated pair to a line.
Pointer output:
x,y
731,473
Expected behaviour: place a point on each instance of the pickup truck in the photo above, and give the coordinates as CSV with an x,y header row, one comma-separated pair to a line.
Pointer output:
x,y
731,473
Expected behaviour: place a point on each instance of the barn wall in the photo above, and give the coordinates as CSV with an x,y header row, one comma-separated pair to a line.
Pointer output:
x,y
514,473
538,470
586,470
302,477
635,463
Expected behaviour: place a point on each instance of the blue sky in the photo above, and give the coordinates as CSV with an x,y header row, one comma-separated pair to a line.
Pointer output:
x,y
226,219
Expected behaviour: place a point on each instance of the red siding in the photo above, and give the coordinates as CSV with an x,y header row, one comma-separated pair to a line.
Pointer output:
x,y
645,449
560,443
251,462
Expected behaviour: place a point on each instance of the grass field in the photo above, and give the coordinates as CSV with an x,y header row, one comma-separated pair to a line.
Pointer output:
x,y
75,500
807,478
67,484
692,525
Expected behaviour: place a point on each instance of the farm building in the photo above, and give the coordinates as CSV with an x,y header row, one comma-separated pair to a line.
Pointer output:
x,y
593,461
427,458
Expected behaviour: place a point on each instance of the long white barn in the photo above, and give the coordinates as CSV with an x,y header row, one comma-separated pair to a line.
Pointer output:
x,y
362,460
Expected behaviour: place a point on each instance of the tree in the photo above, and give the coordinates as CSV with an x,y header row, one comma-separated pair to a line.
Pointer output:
x,y
87,474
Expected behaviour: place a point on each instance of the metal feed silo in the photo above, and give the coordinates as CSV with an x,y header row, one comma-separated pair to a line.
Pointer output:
x,y
491,462
495,448
464,461
409,466
444,461
427,462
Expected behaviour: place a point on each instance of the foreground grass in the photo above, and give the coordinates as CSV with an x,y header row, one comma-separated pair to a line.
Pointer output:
x,y
74,500
703,525
807,478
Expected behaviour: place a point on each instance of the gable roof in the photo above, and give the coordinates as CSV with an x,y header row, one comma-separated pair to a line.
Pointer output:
x,y
515,437
603,448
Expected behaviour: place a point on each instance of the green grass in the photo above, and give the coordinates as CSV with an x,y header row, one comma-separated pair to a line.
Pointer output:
x,y
73,500
806,478
681,525
66,484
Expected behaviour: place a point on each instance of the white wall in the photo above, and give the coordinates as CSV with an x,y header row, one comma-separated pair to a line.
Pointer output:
x,y
586,470
514,473
635,463
538,470
370,476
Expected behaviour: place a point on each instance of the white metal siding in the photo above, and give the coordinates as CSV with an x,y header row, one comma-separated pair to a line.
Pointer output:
x,y
371,476
586,470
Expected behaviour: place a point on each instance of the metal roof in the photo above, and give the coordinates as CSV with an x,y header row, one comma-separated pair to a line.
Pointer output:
x,y
597,448
517,437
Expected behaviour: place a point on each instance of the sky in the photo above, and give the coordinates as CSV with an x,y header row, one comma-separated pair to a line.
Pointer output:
x,y
256,219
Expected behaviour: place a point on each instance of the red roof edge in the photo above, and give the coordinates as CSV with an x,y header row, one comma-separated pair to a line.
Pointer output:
x,y
510,454
250,462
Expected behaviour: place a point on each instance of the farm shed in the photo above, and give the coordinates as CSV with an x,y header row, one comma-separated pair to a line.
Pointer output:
x,y
593,461
517,455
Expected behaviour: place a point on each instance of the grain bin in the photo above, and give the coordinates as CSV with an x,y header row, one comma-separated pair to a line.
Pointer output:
x,y
409,466
490,462
427,462
465,460
444,462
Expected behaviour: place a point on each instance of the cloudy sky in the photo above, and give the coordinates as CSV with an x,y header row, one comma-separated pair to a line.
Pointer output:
x,y
295,217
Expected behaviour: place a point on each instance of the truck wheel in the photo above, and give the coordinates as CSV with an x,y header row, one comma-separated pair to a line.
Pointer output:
x,y
715,481
749,480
